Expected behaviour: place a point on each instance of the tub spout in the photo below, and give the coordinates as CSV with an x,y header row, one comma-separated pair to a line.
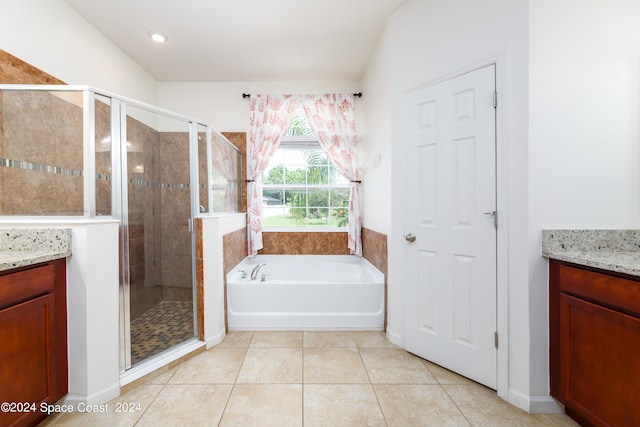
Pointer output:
x,y
256,270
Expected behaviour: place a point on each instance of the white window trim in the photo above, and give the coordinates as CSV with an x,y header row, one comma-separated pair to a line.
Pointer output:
x,y
303,142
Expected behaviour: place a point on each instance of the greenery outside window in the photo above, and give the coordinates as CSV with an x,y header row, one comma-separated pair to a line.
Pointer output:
x,y
301,188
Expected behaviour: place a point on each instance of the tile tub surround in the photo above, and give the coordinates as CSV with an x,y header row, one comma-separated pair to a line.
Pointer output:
x,y
612,250
304,243
374,249
234,248
374,244
20,247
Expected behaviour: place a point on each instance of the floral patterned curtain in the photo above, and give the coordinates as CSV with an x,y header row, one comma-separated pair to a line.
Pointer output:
x,y
268,120
332,119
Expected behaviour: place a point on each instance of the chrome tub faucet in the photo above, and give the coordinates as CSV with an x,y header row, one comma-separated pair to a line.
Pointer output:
x,y
256,270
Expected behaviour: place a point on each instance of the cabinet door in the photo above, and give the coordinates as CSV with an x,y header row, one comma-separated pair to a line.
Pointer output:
x,y
27,358
599,363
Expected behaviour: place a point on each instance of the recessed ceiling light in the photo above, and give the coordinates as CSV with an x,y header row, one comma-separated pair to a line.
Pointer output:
x,y
158,37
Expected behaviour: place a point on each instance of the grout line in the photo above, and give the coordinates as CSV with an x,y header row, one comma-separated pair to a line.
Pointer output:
x,y
235,381
456,403
152,401
373,389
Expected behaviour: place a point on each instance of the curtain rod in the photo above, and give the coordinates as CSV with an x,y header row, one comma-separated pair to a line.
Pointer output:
x,y
248,95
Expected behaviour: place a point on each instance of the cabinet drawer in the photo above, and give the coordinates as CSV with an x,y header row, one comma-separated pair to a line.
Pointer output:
x,y
22,285
613,291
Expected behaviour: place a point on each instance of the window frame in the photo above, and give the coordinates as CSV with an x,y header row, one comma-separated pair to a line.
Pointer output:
x,y
304,142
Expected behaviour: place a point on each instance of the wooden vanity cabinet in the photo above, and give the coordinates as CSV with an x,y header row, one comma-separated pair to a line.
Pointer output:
x,y
594,319
33,341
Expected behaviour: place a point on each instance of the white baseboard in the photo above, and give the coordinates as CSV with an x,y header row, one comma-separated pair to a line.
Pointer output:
x,y
535,404
545,405
99,398
395,338
215,339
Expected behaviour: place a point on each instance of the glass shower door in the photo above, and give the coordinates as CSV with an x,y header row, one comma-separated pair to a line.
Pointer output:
x,y
156,237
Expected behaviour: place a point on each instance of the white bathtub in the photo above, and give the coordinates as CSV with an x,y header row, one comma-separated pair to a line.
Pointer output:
x,y
306,292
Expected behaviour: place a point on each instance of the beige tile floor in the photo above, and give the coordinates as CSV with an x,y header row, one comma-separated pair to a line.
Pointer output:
x,y
308,379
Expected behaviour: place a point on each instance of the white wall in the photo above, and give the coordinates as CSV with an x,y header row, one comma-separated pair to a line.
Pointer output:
x,y
377,138
222,105
51,36
429,41
584,150
585,113
93,313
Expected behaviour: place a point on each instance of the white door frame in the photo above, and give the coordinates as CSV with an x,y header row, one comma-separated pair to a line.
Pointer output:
x,y
502,311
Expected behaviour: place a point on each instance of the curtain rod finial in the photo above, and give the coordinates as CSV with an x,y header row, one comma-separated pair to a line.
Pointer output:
x,y
358,94
246,95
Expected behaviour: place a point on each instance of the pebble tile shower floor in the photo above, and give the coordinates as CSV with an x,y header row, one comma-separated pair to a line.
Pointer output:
x,y
164,325
340,379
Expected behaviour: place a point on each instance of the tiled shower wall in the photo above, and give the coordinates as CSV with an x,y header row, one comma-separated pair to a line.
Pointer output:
x,y
159,210
155,240
15,71
145,243
175,199
40,132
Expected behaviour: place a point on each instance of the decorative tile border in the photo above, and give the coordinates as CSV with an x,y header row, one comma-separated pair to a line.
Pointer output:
x,y
24,165
144,183
37,167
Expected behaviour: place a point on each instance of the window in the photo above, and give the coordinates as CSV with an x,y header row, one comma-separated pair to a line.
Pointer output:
x,y
301,188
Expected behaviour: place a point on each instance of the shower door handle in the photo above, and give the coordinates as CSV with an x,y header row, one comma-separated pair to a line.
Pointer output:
x,y
410,237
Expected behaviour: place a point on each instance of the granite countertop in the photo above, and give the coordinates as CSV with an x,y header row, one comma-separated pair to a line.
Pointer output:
x,y
612,250
21,247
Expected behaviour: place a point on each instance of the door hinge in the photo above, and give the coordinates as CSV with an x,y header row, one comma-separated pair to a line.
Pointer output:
x,y
495,99
495,339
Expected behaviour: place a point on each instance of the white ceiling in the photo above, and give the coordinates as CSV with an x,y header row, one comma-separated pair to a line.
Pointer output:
x,y
244,40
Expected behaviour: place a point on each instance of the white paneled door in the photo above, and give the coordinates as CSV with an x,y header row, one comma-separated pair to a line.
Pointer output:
x,y
450,224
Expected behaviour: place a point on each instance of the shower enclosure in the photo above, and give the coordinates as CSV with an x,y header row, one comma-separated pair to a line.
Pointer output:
x,y
70,151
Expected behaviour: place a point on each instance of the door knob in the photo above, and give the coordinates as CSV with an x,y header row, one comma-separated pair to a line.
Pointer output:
x,y
410,237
